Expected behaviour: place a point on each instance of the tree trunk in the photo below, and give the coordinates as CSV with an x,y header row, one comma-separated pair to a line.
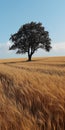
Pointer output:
x,y
29,57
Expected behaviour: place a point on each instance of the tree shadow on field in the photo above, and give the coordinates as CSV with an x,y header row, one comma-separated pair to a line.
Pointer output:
x,y
12,62
25,61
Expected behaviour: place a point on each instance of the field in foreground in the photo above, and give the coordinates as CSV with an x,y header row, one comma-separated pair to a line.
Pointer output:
x,y
32,94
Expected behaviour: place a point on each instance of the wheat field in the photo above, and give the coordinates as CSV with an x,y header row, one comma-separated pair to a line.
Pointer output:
x,y
32,94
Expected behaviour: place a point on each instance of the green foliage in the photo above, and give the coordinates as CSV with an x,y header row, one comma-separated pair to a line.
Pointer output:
x,y
29,38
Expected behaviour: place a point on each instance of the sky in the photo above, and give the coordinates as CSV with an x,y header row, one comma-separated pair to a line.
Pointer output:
x,y
15,13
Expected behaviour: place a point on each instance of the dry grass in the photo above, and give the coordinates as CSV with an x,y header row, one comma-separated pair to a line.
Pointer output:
x,y
32,95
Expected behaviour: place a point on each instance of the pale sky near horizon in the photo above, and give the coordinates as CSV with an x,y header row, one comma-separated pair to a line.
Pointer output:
x,y
51,13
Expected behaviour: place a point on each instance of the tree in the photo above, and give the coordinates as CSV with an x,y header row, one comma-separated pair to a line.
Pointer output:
x,y
29,38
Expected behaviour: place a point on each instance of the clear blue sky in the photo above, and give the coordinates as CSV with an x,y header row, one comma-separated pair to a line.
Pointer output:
x,y
14,13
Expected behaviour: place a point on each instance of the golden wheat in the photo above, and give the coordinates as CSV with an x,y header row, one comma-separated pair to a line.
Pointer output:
x,y
32,94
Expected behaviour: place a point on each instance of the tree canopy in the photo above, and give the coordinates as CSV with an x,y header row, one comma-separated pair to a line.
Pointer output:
x,y
29,38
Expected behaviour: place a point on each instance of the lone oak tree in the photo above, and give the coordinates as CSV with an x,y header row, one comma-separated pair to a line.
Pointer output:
x,y
29,38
